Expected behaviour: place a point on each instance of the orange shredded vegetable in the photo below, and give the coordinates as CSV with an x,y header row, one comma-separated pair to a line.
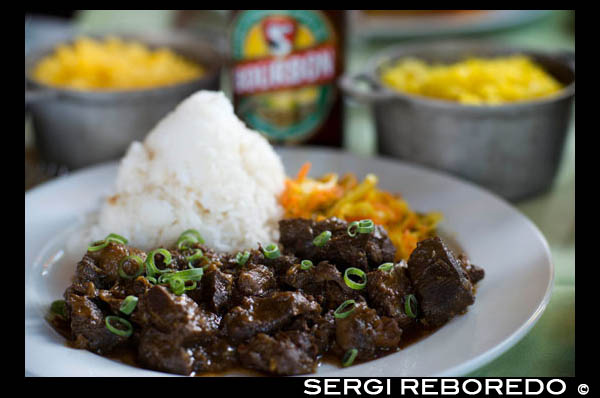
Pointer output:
x,y
351,200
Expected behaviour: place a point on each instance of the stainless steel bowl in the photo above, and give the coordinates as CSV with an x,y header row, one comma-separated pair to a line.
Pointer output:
x,y
514,149
78,128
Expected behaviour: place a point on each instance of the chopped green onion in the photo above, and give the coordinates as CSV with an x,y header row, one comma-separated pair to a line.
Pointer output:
x,y
358,272
198,254
386,267
360,227
192,286
164,278
349,357
59,307
271,251
322,238
366,226
409,301
116,238
177,285
306,264
338,312
138,260
351,230
188,238
242,258
99,245
194,275
185,242
195,234
119,332
151,269
152,280
190,274
128,305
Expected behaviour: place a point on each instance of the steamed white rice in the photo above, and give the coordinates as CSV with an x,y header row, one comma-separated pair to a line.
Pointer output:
x,y
200,168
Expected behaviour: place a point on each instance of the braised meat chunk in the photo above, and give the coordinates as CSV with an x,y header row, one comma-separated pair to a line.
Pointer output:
x,y
88,325
255,280
215,357
364,250
102,267
443,287
267,314
286,353
324,282
216,289
366,332
388,292
171,326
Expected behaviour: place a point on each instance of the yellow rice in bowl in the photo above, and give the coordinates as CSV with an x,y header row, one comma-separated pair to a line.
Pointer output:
x,y
473,81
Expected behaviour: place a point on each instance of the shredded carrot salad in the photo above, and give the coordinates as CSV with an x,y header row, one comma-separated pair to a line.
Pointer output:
x,y
351,200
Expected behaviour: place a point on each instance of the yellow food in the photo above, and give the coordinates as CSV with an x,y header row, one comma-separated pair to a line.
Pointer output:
x,y
346,198
474,81
109,64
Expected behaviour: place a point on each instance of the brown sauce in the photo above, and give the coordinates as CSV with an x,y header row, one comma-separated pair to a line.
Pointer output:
x,y
127,355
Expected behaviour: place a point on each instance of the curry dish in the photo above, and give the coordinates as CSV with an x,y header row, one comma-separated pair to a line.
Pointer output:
x,y
329,288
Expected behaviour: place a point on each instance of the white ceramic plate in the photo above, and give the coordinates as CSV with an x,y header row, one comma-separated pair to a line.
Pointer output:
x,y
511,298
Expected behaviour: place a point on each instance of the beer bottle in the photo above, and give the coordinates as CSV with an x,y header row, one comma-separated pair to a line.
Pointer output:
x,y
285,67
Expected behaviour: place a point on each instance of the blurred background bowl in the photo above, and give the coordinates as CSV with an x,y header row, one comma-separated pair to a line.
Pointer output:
x,y
512,149
76,128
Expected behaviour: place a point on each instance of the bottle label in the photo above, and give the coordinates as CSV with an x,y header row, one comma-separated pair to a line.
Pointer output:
x,y
284,71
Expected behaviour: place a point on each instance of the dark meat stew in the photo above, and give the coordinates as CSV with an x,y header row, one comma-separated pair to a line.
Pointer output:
x,y
328,288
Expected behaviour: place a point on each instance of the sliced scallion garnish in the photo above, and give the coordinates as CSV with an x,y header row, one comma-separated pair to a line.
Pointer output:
x,y
195,234
352,229
360,227
177,285
119,332
409,301
357,272
198,254
306,264
349,357
128,305
194,274
163,278
99,245
189,238
366,226
140,267
242,258
322,238
271,251
342,312
151,269
386,267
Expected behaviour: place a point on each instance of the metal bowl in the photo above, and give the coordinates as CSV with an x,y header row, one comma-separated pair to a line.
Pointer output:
x,y
76,128
514,149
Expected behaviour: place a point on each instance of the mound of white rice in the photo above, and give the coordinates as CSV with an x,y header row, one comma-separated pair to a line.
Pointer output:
x,y
200,168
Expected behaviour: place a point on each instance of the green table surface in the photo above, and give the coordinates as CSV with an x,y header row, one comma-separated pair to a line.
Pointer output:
x,y
549,348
